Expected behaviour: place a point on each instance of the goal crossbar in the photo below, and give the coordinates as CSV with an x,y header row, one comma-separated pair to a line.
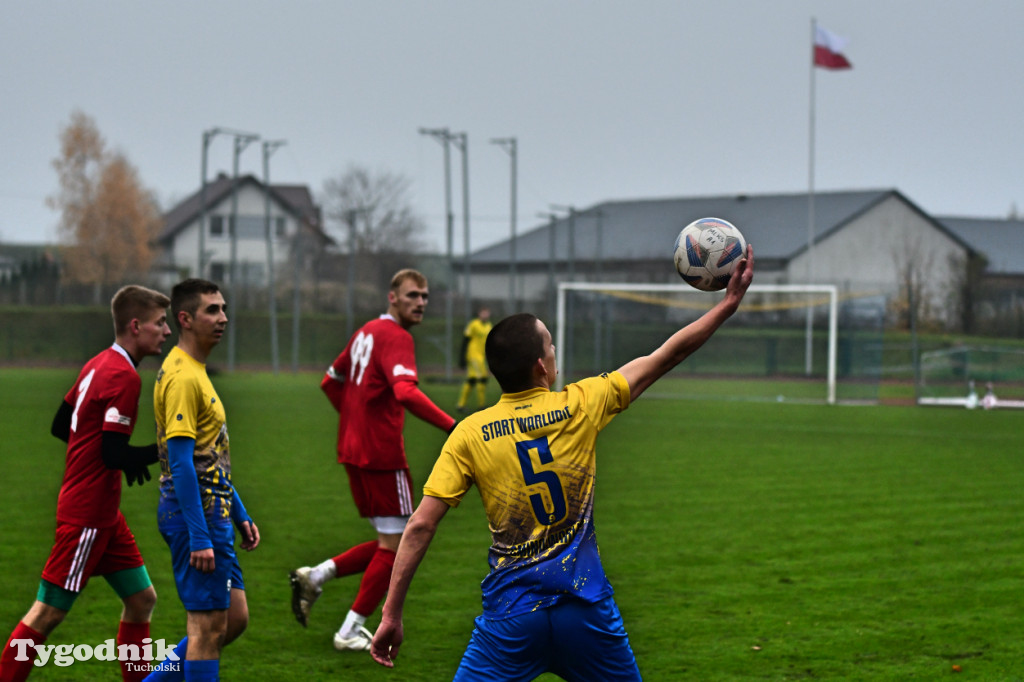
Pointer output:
x,y
827,289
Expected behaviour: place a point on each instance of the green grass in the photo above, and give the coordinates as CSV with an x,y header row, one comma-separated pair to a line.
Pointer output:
x,y
745,540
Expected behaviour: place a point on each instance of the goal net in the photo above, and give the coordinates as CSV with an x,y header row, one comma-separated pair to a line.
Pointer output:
x,y
972,376
786,342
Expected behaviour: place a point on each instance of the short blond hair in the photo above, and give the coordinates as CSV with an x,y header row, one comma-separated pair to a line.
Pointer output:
x,y
407,273
133,302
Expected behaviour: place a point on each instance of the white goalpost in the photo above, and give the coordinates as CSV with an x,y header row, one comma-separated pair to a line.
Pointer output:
x,y
829,293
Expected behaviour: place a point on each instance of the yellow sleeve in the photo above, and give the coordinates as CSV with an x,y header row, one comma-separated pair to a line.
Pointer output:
x,y
452,475
181,407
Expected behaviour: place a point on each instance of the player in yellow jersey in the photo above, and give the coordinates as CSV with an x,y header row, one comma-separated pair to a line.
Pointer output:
x,y
198,502
474,361
547,605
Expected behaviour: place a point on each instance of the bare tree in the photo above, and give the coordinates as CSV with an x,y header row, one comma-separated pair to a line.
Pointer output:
x,y
108,220
916,299
379,203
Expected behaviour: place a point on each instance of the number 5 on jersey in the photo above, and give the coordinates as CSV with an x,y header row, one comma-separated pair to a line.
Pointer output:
x,y
546,478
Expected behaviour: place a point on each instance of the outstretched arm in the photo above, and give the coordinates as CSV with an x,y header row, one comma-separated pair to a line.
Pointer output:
x,y
415,541
416,401
644,371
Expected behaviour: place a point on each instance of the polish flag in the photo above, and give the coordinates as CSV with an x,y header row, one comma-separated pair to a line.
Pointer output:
x,y
828,50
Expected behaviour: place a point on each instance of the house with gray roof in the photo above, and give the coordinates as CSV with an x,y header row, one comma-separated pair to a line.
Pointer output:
x,y
865,242
294,218
1001,243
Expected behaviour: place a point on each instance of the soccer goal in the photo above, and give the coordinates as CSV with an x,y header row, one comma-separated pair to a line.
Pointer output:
x,y
782,344
973,377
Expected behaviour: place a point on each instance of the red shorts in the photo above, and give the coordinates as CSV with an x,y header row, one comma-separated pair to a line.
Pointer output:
x,y
79,553
380,492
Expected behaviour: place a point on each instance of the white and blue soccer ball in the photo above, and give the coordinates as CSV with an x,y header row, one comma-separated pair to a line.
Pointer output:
x,y
707,251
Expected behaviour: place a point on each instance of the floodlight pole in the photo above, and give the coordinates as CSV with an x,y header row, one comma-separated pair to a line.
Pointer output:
x,y
571,251
208,136
552,293
461,142
350,308
444,137
269,146
510,145
242,140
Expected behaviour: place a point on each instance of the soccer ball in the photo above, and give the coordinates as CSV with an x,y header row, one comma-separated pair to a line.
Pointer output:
x,y
707,251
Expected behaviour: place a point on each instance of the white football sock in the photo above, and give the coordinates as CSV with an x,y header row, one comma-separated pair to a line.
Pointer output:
x,y
323,572
353,621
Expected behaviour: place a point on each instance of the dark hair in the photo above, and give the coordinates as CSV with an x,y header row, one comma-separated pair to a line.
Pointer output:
x,y
513,347
133,302
187,294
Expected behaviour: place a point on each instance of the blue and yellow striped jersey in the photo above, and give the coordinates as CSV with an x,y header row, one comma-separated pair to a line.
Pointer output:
x,y
532,458
186,404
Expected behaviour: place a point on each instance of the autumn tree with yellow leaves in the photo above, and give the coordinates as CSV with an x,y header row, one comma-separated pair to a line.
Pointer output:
x,y
109,221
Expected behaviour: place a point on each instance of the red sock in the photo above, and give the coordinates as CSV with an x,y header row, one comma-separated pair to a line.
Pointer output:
x,y
356,559
11,669
375,582
132,633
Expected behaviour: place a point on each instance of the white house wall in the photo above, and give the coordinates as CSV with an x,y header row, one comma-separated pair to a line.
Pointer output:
x,y
869,253
251,249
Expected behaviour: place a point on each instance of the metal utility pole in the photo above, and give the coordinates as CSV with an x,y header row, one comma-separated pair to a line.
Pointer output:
x,y
269,146
444,136
350,308
552,292
510,145
208,136
461,141
242,140
571,254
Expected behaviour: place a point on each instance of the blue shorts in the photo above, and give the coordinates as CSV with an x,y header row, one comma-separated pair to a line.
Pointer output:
x,y
573,639
206,591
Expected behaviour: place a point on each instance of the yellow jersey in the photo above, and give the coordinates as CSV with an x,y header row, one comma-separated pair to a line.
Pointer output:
x,y
532,457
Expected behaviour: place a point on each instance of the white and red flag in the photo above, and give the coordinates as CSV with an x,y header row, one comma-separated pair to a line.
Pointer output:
x,y
828,50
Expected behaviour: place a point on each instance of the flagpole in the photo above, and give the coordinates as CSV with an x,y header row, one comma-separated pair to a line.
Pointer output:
x,y
808,353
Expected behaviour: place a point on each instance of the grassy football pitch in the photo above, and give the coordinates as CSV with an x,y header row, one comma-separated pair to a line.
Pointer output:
x,y
744,540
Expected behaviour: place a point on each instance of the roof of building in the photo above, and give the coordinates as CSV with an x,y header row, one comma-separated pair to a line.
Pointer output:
x,y
776,224
1000,240
296,199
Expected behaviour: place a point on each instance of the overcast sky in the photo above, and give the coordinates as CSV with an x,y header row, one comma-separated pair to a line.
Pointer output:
x,y
609,99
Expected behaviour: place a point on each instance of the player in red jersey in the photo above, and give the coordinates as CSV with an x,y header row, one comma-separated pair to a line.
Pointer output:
x,y
96,420
371,384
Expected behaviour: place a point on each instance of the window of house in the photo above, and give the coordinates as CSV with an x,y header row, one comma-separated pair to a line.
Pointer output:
x,y
216,226
279,227
217,271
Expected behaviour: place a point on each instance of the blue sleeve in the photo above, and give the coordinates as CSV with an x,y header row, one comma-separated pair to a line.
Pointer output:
x,y
238,513
186,486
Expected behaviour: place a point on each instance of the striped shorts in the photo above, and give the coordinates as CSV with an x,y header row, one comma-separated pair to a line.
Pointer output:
x,y
79,553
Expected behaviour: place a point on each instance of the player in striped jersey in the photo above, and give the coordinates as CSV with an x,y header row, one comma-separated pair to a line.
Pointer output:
x,y
96,420
547,605
371,385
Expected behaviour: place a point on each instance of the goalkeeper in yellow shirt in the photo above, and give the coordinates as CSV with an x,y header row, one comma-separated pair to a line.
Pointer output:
x,y
473,359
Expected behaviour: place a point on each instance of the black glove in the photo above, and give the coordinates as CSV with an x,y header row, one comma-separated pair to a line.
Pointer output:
x,y
137,473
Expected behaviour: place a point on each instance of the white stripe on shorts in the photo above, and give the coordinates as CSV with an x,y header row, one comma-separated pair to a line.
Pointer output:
x,y
404,493
85,540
